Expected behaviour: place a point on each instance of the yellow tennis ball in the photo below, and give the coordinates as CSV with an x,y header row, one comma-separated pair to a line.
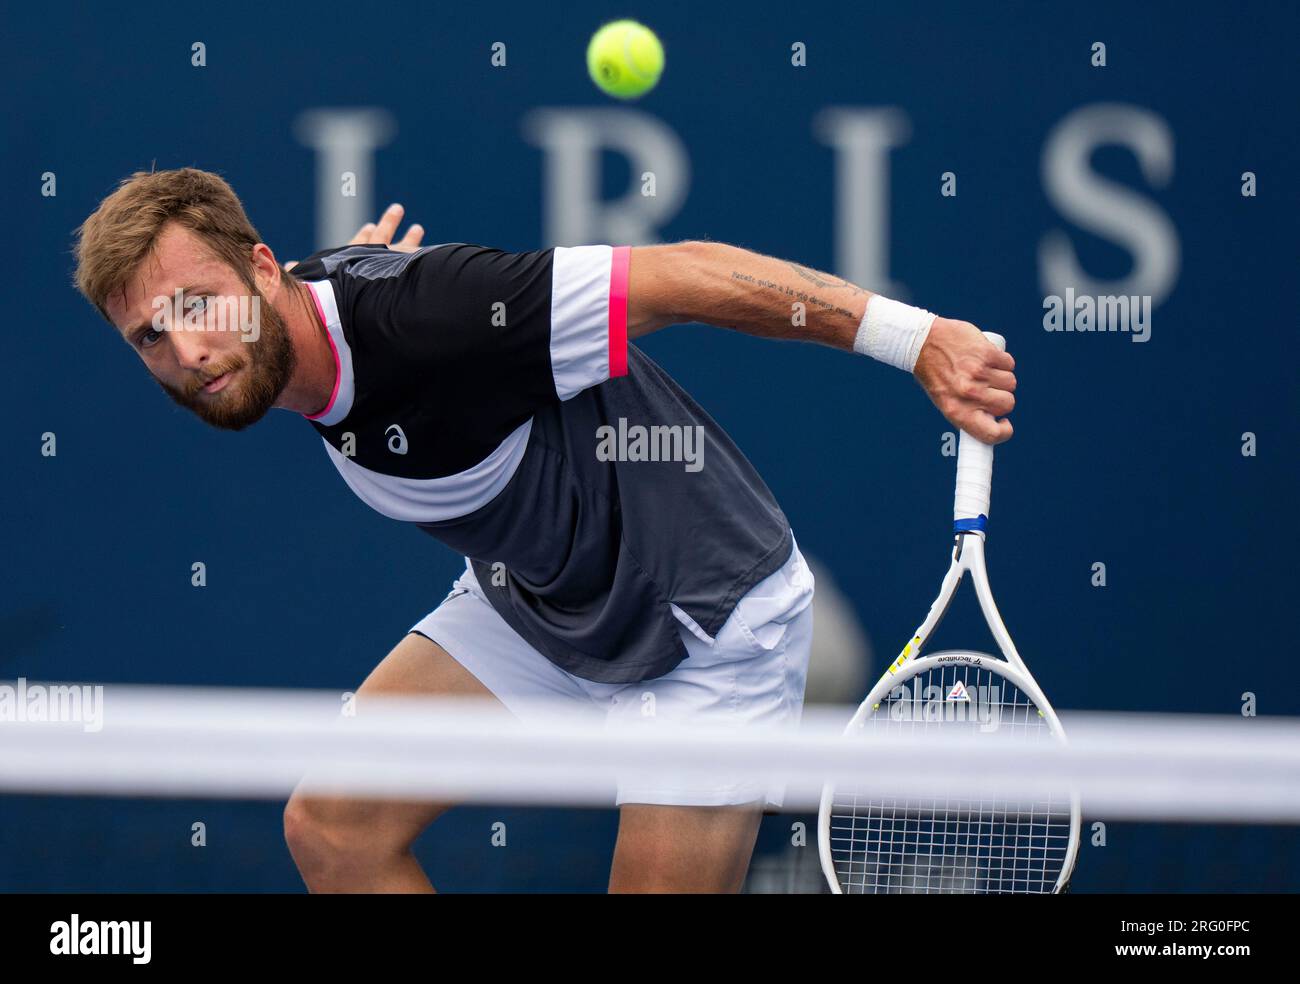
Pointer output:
x,y
625,59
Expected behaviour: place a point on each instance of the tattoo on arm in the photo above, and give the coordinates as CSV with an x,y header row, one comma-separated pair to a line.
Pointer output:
x,y
825,280
799,295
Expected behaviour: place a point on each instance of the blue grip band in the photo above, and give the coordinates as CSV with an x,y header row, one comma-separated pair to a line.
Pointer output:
x,y
979,523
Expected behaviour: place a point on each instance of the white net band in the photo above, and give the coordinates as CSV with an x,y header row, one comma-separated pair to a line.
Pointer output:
x,y
236,743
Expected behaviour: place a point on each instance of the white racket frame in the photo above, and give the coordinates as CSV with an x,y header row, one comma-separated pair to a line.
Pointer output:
x,y
970,509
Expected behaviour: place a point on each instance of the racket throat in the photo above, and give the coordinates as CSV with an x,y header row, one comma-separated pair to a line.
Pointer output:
x,y
959,543
967,553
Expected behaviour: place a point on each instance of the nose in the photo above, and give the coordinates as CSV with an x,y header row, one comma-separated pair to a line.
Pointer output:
x,y
191,348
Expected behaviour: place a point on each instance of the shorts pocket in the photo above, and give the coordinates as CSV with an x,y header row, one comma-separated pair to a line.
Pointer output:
x,y
763,616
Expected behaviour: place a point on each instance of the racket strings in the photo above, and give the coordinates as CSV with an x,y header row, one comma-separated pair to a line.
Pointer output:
x,y
944,844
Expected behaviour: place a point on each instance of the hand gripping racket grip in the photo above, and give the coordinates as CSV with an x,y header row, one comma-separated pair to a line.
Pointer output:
x,y
974,473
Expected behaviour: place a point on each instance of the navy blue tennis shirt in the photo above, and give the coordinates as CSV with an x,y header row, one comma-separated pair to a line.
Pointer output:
x,y
493,400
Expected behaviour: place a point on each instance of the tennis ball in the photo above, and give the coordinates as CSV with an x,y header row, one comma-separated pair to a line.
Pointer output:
x,y
625,59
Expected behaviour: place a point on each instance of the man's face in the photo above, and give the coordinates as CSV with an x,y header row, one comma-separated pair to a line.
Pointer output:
x,y
229,355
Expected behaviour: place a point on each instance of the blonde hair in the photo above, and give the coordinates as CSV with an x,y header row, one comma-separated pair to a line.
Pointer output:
x,y
122,231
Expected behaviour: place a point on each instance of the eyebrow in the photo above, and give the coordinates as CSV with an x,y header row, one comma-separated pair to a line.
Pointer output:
x,y
135,333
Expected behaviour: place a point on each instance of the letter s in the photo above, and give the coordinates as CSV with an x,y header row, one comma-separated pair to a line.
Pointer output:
x,y
1110,210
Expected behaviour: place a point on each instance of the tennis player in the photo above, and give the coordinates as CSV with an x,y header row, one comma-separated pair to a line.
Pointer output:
x,y
622,555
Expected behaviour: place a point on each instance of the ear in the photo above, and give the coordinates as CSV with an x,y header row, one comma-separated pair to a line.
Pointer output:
x,y
266,271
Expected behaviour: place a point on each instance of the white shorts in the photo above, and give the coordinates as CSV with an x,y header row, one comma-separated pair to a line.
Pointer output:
x,y
752,672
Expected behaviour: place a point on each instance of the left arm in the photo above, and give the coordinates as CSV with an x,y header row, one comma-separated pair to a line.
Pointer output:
x,y
964,374
734,288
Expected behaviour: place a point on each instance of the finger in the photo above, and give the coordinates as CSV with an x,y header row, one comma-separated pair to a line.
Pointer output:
x,y
1000,379
363,235
413,236
997,402
388,223
987,428
1002,360
290,265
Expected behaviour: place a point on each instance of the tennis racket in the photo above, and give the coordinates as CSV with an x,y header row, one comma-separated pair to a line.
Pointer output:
x,y
873,843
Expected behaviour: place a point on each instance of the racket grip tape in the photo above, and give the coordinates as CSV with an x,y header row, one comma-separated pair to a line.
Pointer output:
x,y
974,473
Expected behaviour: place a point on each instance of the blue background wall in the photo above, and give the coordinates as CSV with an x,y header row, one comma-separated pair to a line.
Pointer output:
x,y
1127,454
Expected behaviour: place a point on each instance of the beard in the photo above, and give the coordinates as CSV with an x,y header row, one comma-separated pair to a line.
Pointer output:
x,y
267,365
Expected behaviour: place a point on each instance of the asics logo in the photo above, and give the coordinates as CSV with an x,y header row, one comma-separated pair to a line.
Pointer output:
x,y
396,439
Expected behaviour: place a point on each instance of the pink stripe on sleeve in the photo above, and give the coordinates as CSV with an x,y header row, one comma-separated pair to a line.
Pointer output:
x,y
618,280
338,365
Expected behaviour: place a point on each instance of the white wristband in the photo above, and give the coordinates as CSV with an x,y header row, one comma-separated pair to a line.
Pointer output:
x,y
893,333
